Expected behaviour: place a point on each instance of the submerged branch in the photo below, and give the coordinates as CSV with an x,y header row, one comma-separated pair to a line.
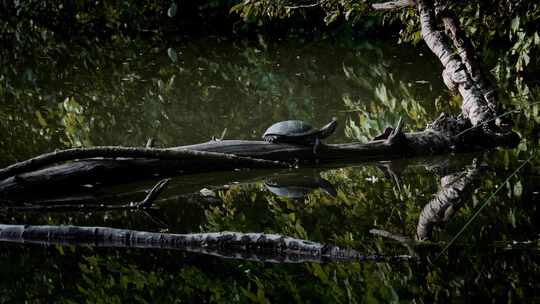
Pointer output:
x,y
146,203
133,152
248,246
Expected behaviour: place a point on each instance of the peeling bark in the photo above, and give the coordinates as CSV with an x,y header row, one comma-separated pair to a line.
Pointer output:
x,y
461,69
393,5
474,106
246,246
466,52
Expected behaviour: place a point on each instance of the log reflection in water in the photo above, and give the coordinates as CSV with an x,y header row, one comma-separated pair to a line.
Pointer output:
x,y
455,189
246,246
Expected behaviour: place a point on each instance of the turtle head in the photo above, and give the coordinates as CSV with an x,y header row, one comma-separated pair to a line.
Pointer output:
x,y
328,129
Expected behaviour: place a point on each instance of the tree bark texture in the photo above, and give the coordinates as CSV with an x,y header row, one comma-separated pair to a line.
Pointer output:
x,y
466,52
121,170
393,5
474,106
133,152
455,190
443,136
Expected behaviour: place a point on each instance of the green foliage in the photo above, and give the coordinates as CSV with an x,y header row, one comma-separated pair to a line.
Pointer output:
x,y
505,32
98,73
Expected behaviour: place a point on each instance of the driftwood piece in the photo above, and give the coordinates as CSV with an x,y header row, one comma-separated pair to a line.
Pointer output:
x,y
187,187
247,246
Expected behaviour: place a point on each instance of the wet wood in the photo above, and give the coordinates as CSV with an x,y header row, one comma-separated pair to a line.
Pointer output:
x,y
432,141
135,152
248,246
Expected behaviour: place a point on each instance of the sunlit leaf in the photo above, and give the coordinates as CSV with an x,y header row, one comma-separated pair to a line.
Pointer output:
x,y
172,55
171,12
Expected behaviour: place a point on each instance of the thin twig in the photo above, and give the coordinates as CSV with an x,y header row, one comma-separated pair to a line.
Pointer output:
x,y
153,194
146,203
303,5
484,204
493,119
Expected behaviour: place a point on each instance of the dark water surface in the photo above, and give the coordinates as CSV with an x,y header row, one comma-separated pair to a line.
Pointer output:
x,y
123,95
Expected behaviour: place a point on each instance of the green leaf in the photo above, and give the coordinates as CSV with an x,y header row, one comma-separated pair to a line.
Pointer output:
x,y
171,12
515,24
41,120
172,55
331,17
518,188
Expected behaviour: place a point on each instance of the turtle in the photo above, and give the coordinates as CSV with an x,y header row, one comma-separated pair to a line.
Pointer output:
x,y
298,132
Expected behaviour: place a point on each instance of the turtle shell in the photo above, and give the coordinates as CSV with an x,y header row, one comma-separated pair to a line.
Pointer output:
x,y
290,129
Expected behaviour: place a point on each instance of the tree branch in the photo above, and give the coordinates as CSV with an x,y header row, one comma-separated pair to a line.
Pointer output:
x,y
133,152
393,5
303,5
465,50
146,203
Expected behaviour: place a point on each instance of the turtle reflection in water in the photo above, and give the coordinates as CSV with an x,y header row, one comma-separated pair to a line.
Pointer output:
x,y
297,185
298,132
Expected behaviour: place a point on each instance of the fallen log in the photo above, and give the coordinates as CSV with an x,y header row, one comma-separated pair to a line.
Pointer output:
x,y
187,155
437,139
246,246
476,130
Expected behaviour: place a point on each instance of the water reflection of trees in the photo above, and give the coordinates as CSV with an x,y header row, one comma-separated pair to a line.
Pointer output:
x,y
122,96
366,198
90,108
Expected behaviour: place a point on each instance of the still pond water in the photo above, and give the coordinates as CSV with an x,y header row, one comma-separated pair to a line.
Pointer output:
x,y
110,95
